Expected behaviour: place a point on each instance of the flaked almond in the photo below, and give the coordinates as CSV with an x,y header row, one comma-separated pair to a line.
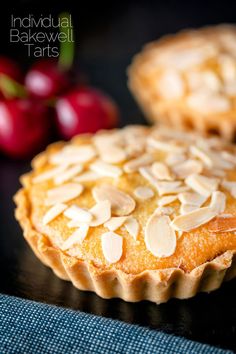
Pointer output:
x,y
76,238
167,200
73,154
78,214
207,102
170,84
187,168
105,169
53,212
230,186
165,146
148,175
161,171
222,224
113,154
201,154
163,187
101,213
187,208
174,158
115,222
218,202
193,219
88,176
160,237
68,174
164,210
143,193
202,184
49,174
135,164
63,193
132,226
192,198
121,203
112,246
170,187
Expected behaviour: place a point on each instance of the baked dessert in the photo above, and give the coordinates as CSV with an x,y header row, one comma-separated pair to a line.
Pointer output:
x,y
189,80
136,213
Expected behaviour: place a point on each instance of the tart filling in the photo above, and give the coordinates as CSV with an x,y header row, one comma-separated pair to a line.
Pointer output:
x,y
136,199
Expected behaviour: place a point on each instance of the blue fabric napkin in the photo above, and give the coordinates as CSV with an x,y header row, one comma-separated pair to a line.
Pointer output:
x,y
31,327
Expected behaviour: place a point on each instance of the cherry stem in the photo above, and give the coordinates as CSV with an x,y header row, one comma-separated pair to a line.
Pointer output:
x,y
67,47
11,88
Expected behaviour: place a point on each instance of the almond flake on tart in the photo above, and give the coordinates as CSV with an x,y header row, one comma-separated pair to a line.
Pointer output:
x,y
160,209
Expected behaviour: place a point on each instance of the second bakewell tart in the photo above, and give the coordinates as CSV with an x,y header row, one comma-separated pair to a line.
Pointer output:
x,y
189,80
138,213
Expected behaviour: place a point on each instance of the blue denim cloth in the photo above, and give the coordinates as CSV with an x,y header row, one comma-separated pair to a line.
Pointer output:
x,y
30,327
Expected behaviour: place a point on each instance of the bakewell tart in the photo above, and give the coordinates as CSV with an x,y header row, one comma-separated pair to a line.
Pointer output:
x,y
189,80
136,213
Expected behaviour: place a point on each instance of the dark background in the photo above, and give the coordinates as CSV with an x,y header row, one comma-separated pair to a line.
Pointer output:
x,y
108,34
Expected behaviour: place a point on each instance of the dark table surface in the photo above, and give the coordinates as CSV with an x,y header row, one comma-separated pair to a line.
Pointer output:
x,y
107,39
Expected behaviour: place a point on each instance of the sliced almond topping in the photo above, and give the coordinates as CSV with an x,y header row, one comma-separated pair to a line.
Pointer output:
x,y
164,210
53,212
160,238
222,224
112,245
113,154
121,203
170,85
201,154
148,175
218,202
161,171
230,186
105,169
229,157
72,154
207,102
187,208
77,237
167,200
78,214
163,187
143,193
192,198
173,159
63,193
193,219
49,174
115,222
132,227
87,176
68,174
187,168
202,184
170,187
165,146
135,164
101,213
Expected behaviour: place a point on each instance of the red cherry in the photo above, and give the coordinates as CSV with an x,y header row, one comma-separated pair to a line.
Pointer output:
x,y
84,110
24,127
45,80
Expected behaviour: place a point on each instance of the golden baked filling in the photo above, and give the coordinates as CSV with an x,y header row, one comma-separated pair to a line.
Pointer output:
x,y
136,199
189,79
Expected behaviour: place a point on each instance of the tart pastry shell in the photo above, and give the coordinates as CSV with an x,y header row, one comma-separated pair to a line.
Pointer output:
x,y
154,285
